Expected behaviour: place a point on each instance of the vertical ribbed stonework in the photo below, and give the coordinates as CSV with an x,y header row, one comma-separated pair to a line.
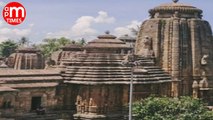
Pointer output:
x,y
185,39
28,59
185,59
196,51
161,34
170,46
166,45
175,57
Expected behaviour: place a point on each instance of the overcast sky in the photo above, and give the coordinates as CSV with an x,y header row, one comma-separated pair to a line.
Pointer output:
x,y
77,19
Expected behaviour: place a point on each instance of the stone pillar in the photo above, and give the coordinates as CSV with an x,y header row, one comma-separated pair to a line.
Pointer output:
x,y
166,46
175,58
196,51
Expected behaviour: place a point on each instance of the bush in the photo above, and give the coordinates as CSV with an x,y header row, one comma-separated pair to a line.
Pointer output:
x,y
183,108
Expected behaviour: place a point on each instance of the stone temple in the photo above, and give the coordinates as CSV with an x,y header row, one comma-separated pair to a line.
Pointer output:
x,y
181,41
173,56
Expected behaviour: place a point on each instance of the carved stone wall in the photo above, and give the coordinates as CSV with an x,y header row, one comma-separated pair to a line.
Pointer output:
x,y
26,61
24,98
103,99
179,43
96,98
7,102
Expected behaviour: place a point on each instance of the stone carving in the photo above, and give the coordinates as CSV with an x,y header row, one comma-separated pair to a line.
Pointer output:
x,y
176,14
84,52
78,103
128,59
3,63
49,63
146,50
91,102
204,60
204,83
157,15
195,87
203,74
85,106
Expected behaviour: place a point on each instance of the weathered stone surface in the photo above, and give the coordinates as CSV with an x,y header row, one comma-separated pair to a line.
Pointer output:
x,y
66,52
93,82
26,58
98,83
180,40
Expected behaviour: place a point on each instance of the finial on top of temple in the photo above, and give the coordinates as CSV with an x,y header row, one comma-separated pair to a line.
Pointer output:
x,y
175,1
107,32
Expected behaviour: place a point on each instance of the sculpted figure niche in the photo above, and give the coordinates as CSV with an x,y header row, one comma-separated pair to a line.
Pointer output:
x,y
204,60
146,50
204,65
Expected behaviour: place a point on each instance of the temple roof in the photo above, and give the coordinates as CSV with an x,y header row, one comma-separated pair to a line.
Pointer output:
x,y
127,37
72,47
175,6
27,50
7,89
30,78
106,41
31,85
16,73
107,69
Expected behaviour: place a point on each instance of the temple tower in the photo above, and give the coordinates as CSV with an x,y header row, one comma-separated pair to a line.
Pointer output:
x,y
26,58
65,52
181,41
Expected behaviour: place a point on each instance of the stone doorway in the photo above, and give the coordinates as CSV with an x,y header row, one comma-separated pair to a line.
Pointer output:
x,y
35,102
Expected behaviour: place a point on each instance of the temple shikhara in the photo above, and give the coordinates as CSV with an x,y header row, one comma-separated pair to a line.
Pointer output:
x,y
171,56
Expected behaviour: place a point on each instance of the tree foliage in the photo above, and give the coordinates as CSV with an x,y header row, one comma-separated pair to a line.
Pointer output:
x,y
82,41
183,108
23,41
8,47
51,45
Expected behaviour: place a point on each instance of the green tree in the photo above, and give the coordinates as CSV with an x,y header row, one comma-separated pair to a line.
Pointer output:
x,y
183,108
63,41
82,41
8,47
23,41
51,45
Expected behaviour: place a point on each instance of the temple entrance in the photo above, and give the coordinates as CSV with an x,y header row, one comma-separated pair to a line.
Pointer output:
x,y
35,102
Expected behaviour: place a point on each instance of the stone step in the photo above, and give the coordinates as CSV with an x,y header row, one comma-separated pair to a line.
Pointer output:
x,y
98,73
107,68
95,60
151,67
105,63
102,73
156,72
118,79
92,63
154,69
118,76
91,70
95,57
97,67
96,82
59,115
